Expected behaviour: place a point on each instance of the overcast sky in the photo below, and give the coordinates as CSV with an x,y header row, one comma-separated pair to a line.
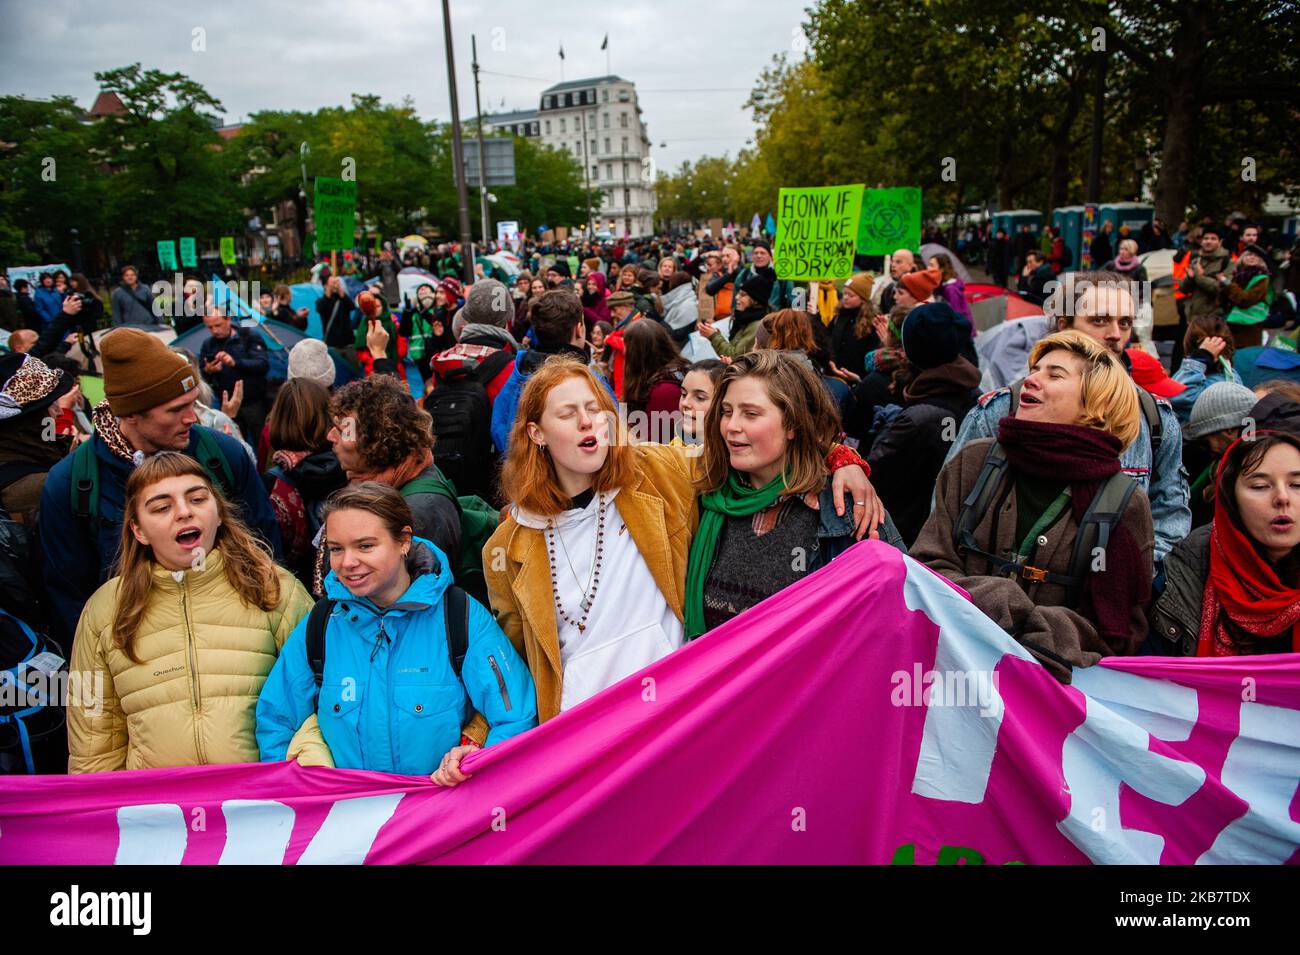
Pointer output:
x,y
273,54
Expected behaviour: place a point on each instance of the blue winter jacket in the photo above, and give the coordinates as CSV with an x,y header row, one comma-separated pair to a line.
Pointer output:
x,y
49,303
1166,488
390,700
1198,371
78,556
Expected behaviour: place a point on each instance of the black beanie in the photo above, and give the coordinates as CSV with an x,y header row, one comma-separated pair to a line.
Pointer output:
x,y
934,334
759,288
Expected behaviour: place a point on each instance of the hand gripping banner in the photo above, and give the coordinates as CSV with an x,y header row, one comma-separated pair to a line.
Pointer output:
x,y
868,714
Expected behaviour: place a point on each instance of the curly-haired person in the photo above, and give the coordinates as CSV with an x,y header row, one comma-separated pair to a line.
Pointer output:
x,y
381,434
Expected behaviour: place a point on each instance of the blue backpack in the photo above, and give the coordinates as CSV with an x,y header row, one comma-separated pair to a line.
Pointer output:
x,y
33,727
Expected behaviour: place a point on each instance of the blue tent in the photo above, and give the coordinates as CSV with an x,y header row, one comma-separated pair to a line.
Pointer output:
x,y
278,336
306,295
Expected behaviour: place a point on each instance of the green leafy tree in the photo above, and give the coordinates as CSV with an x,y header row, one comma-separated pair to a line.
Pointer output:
x,y
52,183
169,173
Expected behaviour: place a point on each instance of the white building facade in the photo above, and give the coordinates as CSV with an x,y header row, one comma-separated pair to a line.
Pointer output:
x,y
598,122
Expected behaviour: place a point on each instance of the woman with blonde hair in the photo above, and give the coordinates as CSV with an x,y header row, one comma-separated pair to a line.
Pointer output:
x,y
1051,539
587,574
185,632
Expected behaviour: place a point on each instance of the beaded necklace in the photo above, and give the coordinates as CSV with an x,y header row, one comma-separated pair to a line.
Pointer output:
x,y
589,596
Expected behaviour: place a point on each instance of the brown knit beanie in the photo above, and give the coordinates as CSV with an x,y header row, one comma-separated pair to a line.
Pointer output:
x,y
140,372
861,285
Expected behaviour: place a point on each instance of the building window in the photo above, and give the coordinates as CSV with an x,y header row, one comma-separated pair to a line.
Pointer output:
x,y
609,169
593,147
595,171
548,127
535,129
604,94
568,99
607,120
624,144
622,120
607,149
562,124
546,102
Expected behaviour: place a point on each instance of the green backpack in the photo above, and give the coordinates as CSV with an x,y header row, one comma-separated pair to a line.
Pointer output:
x,y
85,476
478,521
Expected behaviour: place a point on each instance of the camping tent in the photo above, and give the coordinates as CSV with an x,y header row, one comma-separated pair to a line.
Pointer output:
x,y
991,305
277,335
934,248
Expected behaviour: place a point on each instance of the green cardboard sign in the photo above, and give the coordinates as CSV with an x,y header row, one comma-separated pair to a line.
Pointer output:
x,y
336,213
189,255
816,232
891,220
228,250
167,255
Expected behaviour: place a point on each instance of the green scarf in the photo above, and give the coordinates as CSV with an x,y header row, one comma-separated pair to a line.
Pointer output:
x,y
736,498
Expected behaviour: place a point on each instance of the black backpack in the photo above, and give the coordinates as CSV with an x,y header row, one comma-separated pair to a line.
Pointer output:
x,y
462,422
455,608
21,586
1104,512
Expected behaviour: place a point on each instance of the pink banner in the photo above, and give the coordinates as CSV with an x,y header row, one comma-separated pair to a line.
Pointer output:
x,y
868,714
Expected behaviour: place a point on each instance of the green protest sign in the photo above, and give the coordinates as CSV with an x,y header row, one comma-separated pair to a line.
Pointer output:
x,y
336,209
228,249
816,231
167,255
189,256
891,220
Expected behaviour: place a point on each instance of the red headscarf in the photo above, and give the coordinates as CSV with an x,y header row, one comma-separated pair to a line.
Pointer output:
x,y
1242,584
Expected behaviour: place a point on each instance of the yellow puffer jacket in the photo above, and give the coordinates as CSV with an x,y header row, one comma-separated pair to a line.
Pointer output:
x,y
192,701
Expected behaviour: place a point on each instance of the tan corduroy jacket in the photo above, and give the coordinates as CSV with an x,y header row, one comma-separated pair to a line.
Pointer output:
x,y
659,509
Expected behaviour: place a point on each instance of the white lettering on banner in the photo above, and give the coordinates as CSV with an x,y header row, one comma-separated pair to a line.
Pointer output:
x,y
1110,748
349,830
1263,768
151,835
257,831
958,743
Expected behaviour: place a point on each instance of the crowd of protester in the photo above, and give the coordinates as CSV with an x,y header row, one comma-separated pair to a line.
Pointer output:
x,y
463,511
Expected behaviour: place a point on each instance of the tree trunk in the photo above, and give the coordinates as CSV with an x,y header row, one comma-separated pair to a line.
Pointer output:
x,y
1058,185
1006,171
1182,116
956,216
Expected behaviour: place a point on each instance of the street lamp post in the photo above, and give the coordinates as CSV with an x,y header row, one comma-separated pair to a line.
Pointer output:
x,y
457,156
482,149
303,150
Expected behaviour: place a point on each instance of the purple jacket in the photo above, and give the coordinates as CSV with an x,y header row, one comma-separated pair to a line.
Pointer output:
x,y
954,293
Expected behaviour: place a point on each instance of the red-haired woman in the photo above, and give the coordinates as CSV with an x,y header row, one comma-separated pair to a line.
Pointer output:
x,y
587,574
